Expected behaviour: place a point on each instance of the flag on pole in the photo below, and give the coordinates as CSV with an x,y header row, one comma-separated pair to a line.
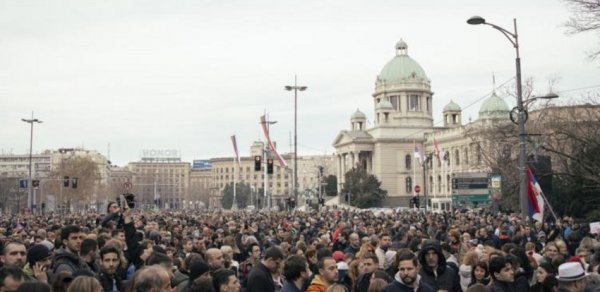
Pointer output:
x,y
237,154
417,155
263,124
436,149
535,197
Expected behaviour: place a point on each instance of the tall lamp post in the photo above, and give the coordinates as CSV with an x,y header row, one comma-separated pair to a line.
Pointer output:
x,y
29,182
295,88
518,113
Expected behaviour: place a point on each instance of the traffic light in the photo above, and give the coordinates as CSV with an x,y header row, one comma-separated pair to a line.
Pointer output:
x,y
270,166
66,181
74,182
257,161
35,183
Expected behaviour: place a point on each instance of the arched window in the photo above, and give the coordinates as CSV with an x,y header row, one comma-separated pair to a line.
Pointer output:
x,y
439,184
466,157
448,183
447,159
430,184
408,185
456,157
408,161
479,156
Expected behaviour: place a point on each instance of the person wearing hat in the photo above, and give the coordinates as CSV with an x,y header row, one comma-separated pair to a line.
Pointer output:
x,y
39,259
571,277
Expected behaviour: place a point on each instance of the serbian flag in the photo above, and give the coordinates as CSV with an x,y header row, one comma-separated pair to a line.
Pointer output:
x,y
535,197
263,123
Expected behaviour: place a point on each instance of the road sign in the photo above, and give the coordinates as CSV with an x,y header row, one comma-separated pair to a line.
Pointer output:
x,y
127,185
417,188
23,183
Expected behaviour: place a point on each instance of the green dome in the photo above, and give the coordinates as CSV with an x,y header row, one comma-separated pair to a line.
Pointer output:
x,y
401,67
384,105
494,106
452,106
358,115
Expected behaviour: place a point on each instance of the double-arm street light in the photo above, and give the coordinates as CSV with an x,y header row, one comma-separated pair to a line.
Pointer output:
x,y
295,88
519,111
29,182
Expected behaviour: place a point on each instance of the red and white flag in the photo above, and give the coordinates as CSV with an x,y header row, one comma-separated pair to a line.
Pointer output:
x,y
263,124
436,149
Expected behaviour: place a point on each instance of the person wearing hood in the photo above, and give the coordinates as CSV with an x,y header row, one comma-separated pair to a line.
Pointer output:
x,y
408,278
435,271
67,258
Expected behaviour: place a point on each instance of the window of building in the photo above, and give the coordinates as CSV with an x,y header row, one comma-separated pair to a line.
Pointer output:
x,y
479,156
466,156
394,100
427,104
448,183
413,103
408,161
439,184
430,183
456,157
408,185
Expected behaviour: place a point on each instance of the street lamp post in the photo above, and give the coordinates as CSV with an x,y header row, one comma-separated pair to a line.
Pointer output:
x,y
29,182
295,88
519,110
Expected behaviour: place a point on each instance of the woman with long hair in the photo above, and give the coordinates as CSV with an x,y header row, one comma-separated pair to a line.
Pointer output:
x,y
480,274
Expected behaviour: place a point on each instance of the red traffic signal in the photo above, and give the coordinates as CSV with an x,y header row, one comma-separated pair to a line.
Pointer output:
x,y
257,162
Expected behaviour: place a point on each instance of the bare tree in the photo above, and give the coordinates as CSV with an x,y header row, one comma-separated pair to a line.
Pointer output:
x,y
585,18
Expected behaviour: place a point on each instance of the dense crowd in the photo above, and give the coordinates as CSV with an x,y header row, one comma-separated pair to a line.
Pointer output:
x,y
331,250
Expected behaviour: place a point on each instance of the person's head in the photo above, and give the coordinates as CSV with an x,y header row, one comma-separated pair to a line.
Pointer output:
x,y
85,283
479,271
385,240
34,287
571,276
71,237
89,248
408,267
159,258
296,267
118,234
254,251
214,258
14,254
61,282
592,283
471,258
545,270
501,269
110,259
188,245
153,278
39,253
376,285
370,262
224,280
478,288
328,270
354,240
11,277
113,208
337,288
273,258
432,258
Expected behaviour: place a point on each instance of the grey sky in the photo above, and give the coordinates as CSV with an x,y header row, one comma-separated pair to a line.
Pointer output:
x,y
188,74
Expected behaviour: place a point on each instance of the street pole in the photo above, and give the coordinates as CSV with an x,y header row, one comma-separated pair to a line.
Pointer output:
x,y
295,88
29,182
513,37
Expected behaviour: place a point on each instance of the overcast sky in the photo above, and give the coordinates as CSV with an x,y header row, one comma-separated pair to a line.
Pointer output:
x,y
186,75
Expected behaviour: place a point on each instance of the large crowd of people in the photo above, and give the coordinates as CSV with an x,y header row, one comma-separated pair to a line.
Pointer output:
x,y
332,250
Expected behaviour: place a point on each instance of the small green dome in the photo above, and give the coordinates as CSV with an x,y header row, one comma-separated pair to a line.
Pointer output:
x,y
402,66
494,106
358,115
452,106
384,105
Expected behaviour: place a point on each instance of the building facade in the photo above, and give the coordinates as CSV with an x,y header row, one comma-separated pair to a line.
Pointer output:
x,y
403,123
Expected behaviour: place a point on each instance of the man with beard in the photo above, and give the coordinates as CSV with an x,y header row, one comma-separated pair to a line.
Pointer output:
x,y
435,270
67,258
408,278
354,245
370,264
385,241
14,254
328,275
296,272
109,262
